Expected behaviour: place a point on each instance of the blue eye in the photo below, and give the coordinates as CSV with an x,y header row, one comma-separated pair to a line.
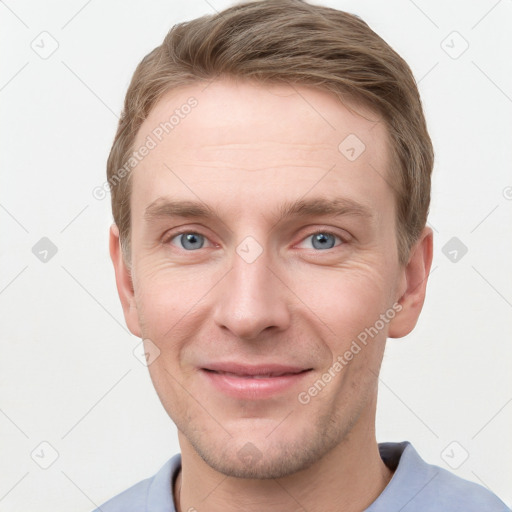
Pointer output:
x,y
190,241
322,240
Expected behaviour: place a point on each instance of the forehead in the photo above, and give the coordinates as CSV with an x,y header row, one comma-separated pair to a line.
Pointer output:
x,y
258,138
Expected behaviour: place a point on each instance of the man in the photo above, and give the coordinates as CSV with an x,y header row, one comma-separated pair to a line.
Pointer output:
x,y
270,182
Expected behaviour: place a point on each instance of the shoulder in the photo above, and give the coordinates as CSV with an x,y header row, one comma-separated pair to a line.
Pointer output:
x,y
421,487
450,491
133,499
149,494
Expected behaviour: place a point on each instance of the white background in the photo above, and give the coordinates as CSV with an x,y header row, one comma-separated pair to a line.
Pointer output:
x,y
67,372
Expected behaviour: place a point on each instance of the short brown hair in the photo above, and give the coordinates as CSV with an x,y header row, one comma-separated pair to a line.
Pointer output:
x,y
288,41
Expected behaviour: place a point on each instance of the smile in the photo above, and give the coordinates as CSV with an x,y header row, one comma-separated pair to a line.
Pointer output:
x,y
253,383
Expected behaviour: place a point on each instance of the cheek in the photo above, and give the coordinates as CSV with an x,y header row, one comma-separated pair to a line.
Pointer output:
x,y
346,301
156,305
164,296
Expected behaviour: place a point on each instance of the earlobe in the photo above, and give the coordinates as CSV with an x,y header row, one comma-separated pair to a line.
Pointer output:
x,y
413,287
124,282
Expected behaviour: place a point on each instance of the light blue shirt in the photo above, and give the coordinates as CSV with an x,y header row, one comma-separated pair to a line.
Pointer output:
x,y
415,487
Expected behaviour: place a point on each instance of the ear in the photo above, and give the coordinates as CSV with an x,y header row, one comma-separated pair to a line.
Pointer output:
x,y
124,282
413,286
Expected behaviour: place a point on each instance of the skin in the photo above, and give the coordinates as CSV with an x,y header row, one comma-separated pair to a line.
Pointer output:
x,y
246,150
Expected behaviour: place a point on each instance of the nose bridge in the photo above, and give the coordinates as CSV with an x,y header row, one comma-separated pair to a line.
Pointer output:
x,y
252,299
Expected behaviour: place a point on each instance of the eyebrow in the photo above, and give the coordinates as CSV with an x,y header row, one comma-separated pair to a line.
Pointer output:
x,y
164,207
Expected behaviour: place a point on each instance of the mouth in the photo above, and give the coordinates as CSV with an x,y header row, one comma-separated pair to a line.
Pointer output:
x,y
253,382
256,376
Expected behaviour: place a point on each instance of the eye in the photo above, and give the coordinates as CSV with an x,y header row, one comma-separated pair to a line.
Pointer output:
x,y
188,241
321,241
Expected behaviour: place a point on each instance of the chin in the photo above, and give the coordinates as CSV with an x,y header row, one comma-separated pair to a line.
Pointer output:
x,y
264,456
252,463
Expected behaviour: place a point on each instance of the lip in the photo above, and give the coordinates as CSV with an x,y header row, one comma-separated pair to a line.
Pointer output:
x,y
253,382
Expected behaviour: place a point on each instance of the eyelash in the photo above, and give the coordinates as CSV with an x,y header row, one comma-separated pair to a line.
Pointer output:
x,y
343,240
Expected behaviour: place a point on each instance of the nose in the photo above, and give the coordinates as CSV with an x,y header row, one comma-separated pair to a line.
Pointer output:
x,y
252,300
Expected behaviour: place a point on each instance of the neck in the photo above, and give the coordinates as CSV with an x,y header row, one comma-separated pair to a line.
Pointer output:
x,y
349,477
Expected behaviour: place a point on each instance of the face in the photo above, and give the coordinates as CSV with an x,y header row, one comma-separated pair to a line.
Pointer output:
x,y
263,249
